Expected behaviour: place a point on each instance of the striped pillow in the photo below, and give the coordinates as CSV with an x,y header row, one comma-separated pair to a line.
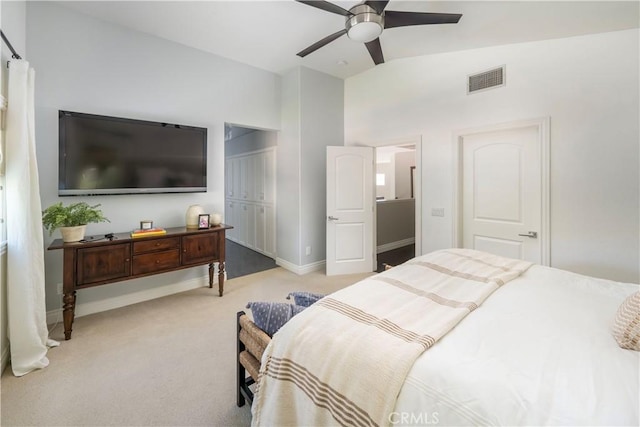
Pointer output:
x,y
626,326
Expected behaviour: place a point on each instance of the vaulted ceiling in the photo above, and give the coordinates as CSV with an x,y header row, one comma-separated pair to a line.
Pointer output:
x,y
268,34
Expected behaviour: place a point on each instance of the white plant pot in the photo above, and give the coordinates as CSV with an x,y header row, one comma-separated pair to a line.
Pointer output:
x,y
73,234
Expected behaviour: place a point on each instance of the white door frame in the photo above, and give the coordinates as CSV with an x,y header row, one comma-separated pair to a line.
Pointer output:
x,y
410,140
542,125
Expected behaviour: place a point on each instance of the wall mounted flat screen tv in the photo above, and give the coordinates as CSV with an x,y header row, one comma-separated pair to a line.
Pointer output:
x,y
111,155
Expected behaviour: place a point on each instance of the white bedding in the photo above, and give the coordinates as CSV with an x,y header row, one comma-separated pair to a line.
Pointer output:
x,y
539,351
345,358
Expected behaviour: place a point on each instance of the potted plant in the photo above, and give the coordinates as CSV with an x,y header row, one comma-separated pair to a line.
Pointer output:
x,y
72,220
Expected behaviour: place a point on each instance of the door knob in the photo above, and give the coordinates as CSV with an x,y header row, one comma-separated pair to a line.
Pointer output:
x,y
532,234
332,218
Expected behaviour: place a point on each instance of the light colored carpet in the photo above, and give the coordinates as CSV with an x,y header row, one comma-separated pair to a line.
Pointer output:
x,y
165,362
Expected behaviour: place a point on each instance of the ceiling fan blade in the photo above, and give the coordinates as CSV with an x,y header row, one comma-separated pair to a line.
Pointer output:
x,y
317,45
326,6
377,5
375,50
394,19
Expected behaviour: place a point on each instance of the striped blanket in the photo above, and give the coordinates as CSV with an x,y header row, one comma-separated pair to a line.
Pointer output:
x,y
343,360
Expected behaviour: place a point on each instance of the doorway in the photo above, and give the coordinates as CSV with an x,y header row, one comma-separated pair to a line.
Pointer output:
x,y
250,199
398,209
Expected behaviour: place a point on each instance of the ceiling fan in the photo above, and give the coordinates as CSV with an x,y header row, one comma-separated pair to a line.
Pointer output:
x,y
365,22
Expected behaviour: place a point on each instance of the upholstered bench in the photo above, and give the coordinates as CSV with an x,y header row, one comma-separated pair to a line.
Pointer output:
x,y
252,341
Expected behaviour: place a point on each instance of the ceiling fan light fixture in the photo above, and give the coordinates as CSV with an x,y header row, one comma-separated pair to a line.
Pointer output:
x,y
365,25
365,32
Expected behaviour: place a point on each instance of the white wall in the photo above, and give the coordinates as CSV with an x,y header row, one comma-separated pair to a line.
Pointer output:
x,y
322,125
288,172
395,223
83,64
588,85
312,119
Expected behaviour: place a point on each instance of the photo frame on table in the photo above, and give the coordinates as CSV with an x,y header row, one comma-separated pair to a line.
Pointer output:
x,y
203,221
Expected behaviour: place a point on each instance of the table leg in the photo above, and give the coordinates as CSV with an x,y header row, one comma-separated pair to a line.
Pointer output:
x,y
69,308
211,269
221,277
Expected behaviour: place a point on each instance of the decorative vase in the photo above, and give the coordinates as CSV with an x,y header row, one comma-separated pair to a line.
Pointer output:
x,y
216,219
192,215
73,234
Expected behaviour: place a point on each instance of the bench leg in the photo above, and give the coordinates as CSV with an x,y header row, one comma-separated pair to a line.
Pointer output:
x,y
240,371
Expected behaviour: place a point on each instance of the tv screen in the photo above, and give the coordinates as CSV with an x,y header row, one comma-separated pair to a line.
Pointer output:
x,y
111,155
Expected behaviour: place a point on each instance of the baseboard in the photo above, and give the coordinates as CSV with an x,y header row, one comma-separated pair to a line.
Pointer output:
x,y
84,309
395,245
301,269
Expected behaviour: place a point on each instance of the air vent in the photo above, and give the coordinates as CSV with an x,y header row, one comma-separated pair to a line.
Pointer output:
x,y
486,80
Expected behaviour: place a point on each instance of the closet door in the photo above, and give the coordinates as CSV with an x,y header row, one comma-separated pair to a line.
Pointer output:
x,y
231,214
247,225
259,176
236,170
228,178
260,229
247,180
265,230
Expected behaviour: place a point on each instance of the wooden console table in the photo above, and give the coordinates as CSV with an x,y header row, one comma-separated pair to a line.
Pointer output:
x,y
98,262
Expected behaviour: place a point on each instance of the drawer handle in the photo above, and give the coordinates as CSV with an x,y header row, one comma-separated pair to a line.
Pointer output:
x,y
157,243
157,261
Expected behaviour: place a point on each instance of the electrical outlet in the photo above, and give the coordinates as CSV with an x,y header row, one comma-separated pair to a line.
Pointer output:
x,y
59,288
308,251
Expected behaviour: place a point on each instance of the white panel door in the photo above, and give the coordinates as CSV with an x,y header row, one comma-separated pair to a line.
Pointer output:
x,y
242,216
247,225
261,229
350,204
265,241
231,219
236,171
258,174
502,192
247,182
228,178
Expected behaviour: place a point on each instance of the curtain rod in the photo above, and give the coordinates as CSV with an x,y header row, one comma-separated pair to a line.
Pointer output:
x,y
13,52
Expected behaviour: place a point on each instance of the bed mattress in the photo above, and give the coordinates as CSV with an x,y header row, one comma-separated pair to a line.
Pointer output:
x,y
539,351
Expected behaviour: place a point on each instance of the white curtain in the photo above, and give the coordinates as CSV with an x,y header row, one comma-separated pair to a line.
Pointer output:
x,y
28,335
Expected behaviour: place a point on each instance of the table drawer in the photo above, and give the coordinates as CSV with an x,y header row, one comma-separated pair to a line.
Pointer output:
x,y
155,262
152,245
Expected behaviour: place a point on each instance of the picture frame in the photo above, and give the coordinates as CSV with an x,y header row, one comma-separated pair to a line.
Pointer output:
x,y
146,224
203,221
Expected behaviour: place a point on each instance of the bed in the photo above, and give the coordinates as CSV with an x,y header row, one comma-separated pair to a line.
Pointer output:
x,y
534,347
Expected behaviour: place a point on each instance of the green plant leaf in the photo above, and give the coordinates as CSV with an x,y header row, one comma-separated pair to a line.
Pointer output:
x,y
81,213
